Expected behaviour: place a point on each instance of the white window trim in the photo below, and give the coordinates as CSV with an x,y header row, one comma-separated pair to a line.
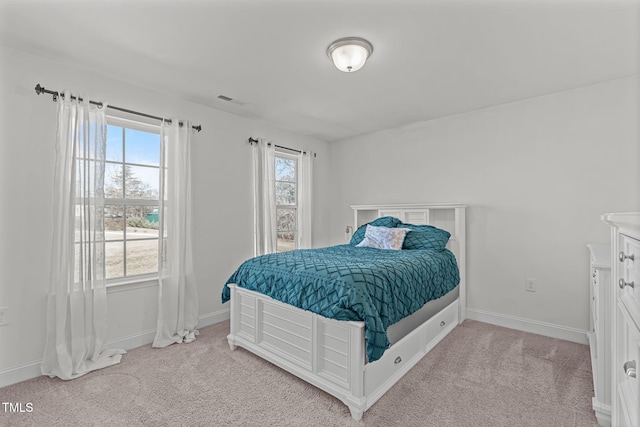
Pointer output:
x,y
132,124
132,283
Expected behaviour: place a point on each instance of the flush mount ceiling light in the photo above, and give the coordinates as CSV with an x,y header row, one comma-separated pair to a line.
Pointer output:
x,y
350,53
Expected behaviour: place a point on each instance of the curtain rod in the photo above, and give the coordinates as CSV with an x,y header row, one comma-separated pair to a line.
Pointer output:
x,y
41,89
251,140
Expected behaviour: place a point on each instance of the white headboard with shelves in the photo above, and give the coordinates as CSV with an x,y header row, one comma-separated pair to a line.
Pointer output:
x,y
450,217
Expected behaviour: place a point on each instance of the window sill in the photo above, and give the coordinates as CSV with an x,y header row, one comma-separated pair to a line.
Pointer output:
x,y
133,283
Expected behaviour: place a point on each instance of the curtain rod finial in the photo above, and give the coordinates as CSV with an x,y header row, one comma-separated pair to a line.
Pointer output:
x,y
39,89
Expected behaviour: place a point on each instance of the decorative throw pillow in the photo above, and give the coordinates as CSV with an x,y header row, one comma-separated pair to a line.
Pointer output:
x,y
385,221
425,237
383,238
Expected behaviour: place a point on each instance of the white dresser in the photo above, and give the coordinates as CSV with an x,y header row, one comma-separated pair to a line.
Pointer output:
x,y
600,329
625,318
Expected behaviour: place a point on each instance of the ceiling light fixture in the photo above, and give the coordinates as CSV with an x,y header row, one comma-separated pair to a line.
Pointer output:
x,y
350,53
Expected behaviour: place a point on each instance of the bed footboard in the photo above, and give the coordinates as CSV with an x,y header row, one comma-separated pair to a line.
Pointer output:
x,y
327,353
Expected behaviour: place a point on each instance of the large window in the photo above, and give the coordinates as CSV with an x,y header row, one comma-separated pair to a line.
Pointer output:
x,y
286,201
131,187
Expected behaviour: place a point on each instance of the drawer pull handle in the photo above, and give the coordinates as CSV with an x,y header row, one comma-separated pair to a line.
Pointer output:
x,y
622,256
630,369
622,284
442,323
398,360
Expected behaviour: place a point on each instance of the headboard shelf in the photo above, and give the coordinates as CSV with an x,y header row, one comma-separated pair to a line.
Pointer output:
x,y
445,216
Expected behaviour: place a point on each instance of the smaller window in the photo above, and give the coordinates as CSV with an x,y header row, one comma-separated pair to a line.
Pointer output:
x,y
286,170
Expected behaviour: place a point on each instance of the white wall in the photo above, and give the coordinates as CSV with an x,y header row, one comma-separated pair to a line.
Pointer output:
x,y
536,174
222,198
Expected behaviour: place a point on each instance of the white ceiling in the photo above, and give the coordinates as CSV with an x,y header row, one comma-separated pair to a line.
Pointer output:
x,y
432,58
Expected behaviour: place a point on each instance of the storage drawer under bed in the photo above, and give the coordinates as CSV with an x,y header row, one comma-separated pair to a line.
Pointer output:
x,y
403,355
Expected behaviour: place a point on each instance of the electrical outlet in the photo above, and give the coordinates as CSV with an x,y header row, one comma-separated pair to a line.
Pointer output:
x,y
3,316
530,284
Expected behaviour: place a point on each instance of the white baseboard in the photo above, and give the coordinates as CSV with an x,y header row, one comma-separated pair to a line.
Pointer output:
x,y
213,318
528,325
20,373
146,337
132,341
31,370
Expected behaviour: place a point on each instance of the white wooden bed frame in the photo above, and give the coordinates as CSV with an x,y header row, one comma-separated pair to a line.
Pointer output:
x,y
330,354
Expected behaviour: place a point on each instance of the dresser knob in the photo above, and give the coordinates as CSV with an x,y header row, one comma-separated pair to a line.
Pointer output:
x,y
622,284
630,369
442,323
622,256
398,360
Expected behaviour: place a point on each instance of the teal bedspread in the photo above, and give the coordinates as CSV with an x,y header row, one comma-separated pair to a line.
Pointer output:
x,y
344,282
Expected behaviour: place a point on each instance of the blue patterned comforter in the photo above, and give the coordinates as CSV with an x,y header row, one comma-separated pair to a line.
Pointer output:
x,y
344,282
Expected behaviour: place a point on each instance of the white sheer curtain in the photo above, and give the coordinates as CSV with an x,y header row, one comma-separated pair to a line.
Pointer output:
x,y
264,197
305,174
178,294
77,300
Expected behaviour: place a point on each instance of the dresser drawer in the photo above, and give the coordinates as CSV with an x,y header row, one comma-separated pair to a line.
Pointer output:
x,y
629,255
626,370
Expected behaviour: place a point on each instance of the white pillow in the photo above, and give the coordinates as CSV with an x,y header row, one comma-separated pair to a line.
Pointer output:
x,y
383,237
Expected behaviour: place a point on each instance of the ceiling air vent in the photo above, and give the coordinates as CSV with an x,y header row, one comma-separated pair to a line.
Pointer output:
x,y
231,100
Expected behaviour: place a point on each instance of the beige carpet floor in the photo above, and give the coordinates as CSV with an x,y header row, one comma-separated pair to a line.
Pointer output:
x,y
479,375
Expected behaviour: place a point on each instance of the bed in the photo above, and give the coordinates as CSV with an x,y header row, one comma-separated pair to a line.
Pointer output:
x,y
355,360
